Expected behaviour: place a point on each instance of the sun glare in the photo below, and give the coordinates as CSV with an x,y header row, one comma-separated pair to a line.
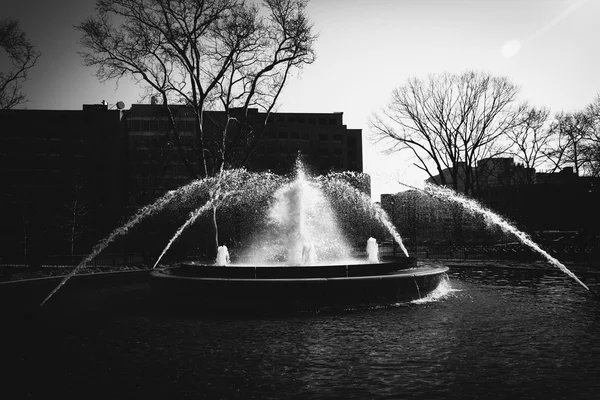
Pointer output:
x,y
511,48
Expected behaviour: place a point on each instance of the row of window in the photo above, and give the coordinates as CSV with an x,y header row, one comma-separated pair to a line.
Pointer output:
x,y
293,119
158,125
305,136
134,123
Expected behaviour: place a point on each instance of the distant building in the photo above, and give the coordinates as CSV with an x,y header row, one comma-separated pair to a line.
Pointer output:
x,y
502,171
533,201
422,219
488,173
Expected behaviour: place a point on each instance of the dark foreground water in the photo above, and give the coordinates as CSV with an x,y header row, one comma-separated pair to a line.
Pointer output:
x,y
497,334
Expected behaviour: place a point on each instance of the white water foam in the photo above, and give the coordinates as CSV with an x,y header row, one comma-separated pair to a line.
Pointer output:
x,y
442,291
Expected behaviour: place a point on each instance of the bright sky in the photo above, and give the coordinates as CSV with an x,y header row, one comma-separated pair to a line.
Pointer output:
x,y
365,49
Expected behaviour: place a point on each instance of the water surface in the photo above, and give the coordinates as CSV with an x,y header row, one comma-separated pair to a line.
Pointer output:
x,y
498,334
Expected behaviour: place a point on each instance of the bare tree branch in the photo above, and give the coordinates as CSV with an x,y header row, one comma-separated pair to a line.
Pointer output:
x,y
22,55
449,122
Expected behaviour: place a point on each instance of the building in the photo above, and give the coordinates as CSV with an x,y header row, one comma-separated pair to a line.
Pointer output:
x,y
155,164
533,201
70,176
488,173
62,178
424,220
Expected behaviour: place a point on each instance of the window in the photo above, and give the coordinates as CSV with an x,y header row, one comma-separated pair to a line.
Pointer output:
x,y
305,136
337,138
312,121
295,135
323,137
332,121
321,121
283,135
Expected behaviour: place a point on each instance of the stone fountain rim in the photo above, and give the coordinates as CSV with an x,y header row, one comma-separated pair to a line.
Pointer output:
x,y
408,273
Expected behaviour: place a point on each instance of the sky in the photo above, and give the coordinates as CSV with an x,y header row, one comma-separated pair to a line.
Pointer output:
x,y
366,48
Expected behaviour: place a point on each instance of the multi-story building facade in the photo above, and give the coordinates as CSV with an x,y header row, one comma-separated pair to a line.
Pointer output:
x,y
69,176
323,141
62,178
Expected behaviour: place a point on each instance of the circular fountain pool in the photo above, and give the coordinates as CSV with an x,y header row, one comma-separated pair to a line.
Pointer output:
x,y
296,288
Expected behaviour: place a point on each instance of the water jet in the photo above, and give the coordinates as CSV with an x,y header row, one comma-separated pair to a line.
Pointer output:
x,y
299,259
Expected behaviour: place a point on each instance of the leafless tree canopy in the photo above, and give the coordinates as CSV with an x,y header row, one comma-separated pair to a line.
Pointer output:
x,y
22,55
449,121
531,137
221,54
576,140
593,143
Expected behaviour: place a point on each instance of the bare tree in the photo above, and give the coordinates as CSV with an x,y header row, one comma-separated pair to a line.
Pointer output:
x,y
199,54
593,146
530,138
255,78
22,55
448,122
569,146
191,52
74,226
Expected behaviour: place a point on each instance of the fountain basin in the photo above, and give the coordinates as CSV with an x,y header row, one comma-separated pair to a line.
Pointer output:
x,y
295,288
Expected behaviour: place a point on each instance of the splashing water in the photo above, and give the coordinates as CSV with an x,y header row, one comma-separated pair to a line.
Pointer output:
x,y
193,216
182,194
222,256
233,177
337,184
474,207
246,184
316,233
443,290
301,228
373,250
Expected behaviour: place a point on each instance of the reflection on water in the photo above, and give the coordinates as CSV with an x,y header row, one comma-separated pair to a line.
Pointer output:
x,y
494,334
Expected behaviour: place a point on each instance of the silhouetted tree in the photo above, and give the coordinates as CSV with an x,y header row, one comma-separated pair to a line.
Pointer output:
x,y
449,121
593,146
76,212
571,141
200,54
22,56
219,54
530,139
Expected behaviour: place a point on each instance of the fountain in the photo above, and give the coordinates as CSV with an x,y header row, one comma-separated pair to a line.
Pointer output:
x,y
296,258
300,260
